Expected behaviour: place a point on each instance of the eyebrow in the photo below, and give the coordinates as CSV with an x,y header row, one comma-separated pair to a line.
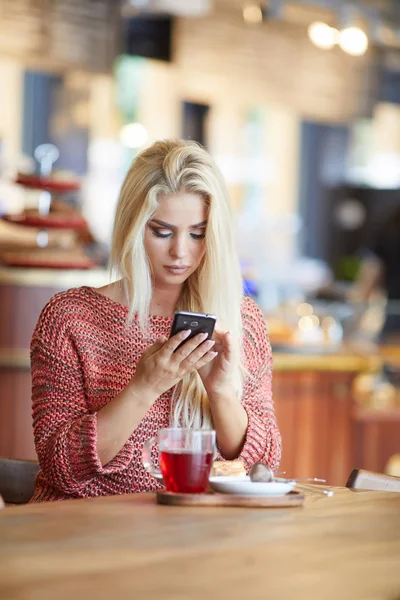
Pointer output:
x,y
168,226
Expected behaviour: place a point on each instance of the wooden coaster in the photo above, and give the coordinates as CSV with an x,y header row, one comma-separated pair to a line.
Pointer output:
x,y
214,499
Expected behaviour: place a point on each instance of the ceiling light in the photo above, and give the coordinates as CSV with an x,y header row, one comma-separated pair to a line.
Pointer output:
x,y
353,40
252,13
322,35
133,135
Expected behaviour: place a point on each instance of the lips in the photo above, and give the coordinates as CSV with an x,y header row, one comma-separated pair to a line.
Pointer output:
x,y
177,270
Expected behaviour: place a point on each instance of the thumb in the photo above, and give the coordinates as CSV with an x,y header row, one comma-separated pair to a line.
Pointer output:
x,y
158,344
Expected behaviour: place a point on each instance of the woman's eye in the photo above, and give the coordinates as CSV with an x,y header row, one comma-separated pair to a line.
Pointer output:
x,y
166,234
161,233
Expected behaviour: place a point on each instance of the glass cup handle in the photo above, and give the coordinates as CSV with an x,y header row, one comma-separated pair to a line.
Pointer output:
x,y
146,458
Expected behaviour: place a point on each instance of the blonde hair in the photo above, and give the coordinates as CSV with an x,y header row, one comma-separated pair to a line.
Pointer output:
x,y
174,167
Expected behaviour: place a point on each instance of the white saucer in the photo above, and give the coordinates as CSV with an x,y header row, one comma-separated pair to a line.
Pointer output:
x,y
244,487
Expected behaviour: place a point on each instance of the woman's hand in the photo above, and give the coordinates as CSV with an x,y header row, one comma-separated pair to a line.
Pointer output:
x,y
160,367
229,417
217,375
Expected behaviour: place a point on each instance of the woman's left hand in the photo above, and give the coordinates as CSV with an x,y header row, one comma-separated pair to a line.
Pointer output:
x,y
217,375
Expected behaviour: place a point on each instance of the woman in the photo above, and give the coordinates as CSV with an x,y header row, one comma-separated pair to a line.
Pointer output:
x,y
105,376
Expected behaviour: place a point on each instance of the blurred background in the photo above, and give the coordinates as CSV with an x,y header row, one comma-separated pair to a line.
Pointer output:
x,y
299,104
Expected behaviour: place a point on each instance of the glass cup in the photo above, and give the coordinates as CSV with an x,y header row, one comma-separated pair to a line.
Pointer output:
x,y
186,457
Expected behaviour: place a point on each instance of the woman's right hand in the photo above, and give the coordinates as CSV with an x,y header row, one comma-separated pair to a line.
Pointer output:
x,y
160,367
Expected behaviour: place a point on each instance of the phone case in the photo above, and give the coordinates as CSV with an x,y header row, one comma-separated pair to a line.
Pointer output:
x,y
197,322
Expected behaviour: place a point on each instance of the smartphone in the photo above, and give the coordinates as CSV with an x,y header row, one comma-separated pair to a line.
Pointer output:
x,y
197,322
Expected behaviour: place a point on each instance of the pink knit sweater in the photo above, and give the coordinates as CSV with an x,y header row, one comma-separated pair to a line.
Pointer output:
x,y
82,355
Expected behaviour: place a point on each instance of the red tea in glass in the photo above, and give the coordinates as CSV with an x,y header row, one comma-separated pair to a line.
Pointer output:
x,y
186,457
185,471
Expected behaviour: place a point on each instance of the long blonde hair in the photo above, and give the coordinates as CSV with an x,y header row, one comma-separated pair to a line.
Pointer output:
x,y
174,167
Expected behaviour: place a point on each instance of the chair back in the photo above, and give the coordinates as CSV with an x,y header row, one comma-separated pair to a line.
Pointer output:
x,y
360,479
17,480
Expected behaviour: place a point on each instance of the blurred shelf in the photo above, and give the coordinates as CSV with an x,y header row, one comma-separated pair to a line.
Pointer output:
x,y
51,221
40,260
48,184
53,278
13,358
374,415
344,361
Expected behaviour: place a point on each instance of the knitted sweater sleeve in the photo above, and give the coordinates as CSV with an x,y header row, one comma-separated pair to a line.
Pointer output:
x,y
263,439
65,431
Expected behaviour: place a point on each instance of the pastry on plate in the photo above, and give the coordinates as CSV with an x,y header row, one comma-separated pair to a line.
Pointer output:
x,y
227,468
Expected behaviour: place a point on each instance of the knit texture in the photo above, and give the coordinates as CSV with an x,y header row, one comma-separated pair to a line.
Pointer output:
x,y
83,354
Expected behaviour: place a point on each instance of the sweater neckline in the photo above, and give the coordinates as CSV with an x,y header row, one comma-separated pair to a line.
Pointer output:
x,y
107,300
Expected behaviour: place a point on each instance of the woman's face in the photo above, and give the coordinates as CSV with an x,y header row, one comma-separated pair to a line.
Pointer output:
x,y
174,238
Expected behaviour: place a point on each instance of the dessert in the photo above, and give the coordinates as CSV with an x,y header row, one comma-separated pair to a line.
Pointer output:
x,y
227,468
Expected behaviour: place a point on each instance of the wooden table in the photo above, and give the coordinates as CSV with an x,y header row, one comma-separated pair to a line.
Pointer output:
x,y
122,547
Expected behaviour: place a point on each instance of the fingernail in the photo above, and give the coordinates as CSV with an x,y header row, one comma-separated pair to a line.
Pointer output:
x,y
213,354
186,333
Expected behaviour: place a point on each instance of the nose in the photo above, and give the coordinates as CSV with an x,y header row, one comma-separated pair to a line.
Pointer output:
x,y
179,247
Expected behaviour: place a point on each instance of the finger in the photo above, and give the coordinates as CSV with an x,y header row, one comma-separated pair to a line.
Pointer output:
x,y
158,344
226,351
223,342
206,359
189,346
219,334
194,357
220,328
219,346
228,342
171,345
